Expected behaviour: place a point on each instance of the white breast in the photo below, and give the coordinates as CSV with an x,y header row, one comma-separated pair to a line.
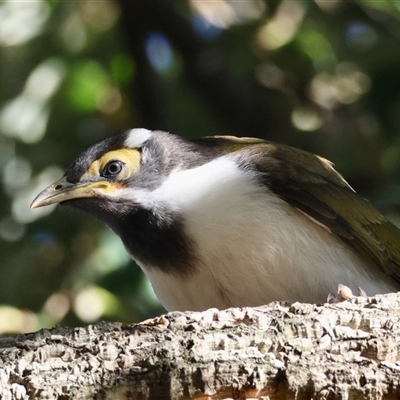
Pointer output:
x,y
254,248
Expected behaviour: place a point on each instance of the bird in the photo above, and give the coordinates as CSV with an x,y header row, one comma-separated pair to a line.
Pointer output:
x,y
223,221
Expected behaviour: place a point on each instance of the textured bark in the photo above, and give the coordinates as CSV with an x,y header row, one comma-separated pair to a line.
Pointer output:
x,y
300,351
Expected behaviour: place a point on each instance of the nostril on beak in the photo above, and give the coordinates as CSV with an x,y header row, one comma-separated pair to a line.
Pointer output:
x,y
58,187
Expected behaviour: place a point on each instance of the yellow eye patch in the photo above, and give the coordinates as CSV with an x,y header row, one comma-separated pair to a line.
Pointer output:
x,y
129,157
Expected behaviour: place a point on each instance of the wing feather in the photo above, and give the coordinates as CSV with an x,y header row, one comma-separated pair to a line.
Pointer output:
x,y
311,184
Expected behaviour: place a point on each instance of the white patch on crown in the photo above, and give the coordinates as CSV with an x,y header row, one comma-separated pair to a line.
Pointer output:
x,y
137,137
254,247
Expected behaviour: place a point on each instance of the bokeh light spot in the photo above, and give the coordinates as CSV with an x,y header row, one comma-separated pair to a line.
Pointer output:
x,y
316,46
13,320
205,29
100,15
282,27
122,69
346,86
57,306
20,21
361,36
110,254
88,86
20,206
390,158
45,79
92,302
16,173
73,33
159,51
223,13
11,230
270,76
306,118
25,117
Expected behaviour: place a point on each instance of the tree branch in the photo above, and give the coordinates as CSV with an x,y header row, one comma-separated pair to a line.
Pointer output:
x,y
280,351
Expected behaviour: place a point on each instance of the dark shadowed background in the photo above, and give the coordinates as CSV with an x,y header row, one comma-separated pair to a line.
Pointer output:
x,y
320,75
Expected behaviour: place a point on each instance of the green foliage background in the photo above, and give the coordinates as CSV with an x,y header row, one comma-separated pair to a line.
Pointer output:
x,y
320,75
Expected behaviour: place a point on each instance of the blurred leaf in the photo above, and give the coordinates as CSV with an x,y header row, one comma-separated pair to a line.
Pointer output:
x,y
122,69
88,84
315,45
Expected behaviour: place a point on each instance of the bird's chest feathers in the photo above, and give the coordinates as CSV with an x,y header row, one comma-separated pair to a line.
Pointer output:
x,y
245,245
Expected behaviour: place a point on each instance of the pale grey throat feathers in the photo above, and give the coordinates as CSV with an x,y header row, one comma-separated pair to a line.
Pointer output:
x,y
279,253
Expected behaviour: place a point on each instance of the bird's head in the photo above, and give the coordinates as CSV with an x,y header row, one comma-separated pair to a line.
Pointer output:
x,y
115,180
104,178
115,173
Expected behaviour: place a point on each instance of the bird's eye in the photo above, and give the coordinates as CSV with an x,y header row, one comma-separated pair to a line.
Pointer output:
x,y
112,168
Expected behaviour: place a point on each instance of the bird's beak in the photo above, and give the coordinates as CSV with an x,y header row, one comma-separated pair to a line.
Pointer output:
x,y
63,190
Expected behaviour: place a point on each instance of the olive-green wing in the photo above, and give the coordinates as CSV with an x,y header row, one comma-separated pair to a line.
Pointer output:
x,y
311,184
